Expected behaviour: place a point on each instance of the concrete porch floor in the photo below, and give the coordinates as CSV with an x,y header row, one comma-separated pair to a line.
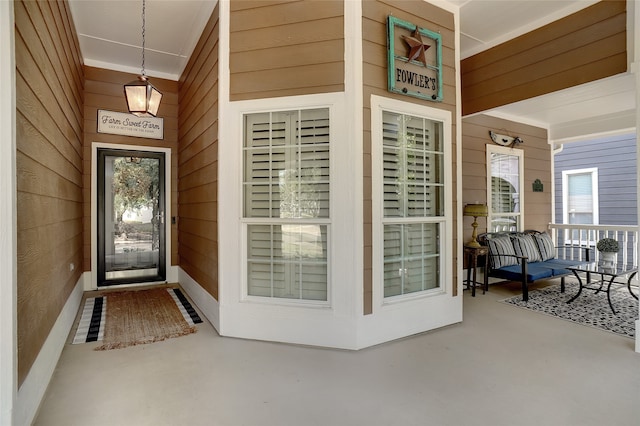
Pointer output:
x,y
501,366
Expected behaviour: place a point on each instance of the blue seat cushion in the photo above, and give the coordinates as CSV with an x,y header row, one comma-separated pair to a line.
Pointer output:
x,y
514,272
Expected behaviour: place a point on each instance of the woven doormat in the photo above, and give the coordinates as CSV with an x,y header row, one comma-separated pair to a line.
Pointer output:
x,y
136,317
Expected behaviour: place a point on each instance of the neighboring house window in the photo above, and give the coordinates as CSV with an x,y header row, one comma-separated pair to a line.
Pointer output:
x,y
580,196
413,194
580,201
505,171
286,203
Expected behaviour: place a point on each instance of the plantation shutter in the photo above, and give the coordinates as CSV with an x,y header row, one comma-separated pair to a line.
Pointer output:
x,y
287,164
413,187
286,177
313,170
412,167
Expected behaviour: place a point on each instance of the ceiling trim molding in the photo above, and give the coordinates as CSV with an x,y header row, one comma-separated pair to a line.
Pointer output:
x,y
128,69
515,118
592,127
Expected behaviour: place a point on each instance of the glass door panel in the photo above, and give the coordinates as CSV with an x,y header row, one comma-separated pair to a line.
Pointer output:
x,y
131,227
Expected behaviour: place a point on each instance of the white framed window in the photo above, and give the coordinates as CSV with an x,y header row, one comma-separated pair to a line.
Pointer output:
x,y
286,211
580,196
411,195
580,202
505,174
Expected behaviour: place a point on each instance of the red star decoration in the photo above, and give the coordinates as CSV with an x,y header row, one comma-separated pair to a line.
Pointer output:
x,y
416,47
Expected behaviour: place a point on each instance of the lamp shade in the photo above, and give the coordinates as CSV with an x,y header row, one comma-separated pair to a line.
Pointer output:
x,y
142,98
475,210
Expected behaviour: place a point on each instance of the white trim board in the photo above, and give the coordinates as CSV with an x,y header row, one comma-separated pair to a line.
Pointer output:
x,y
354,130
35,384
8,281
204,301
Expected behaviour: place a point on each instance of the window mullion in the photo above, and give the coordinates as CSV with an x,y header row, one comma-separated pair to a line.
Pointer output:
x,y
271,164
423,257
272,266
299,162
299,267
403,241
403,168
425,202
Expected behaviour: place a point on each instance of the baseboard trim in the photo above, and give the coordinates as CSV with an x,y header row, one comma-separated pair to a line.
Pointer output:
x,y
35,385
173,274
205,302
86,280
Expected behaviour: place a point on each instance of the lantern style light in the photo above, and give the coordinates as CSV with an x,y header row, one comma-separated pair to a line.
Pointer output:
x,y
142,98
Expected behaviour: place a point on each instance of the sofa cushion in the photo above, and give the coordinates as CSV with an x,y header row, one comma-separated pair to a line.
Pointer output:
x,y
524,245
545,246
514,272
502,246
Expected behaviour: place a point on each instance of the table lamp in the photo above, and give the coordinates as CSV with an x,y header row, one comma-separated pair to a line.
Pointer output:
x,y
476,211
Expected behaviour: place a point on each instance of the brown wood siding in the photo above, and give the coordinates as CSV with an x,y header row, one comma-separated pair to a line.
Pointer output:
x,y
374,29
49,90
583,47
286,48
537,165
104,89
198,161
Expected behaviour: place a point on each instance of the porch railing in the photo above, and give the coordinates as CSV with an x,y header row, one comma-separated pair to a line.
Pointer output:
x,y
588,235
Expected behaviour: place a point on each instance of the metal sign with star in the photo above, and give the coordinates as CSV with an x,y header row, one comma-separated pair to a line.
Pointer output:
x,y
415,60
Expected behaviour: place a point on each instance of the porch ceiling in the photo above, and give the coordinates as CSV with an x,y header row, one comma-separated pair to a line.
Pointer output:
x,y
110,37
110,33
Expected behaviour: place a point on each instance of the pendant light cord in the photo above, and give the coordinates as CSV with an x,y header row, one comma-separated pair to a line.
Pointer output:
x,y
143,33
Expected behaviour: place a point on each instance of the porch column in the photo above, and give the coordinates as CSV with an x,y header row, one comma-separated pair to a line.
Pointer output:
x,y
8,376
634,8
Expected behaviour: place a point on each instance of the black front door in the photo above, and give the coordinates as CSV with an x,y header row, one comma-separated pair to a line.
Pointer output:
x,y
131,217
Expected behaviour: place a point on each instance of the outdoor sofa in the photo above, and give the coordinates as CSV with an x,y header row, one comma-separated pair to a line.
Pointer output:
x,y
529,256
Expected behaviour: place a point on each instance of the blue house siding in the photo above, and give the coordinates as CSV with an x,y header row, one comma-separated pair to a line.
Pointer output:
x,y
615,159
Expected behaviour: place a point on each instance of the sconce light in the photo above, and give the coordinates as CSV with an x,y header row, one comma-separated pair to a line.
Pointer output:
x,y
505,140
475,211
142,98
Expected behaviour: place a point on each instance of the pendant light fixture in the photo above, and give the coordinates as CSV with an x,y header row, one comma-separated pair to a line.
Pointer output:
x,y
142,98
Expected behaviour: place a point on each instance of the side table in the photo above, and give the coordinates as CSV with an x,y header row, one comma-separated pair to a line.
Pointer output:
x,y
472,254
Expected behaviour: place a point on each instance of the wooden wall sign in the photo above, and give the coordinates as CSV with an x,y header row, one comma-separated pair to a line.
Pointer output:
x,y
415,60
119,123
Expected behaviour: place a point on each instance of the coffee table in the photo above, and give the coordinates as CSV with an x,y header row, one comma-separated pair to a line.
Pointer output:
x,y
608,274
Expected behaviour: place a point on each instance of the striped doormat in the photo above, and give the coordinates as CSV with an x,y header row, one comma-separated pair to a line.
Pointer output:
x,y
92,325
